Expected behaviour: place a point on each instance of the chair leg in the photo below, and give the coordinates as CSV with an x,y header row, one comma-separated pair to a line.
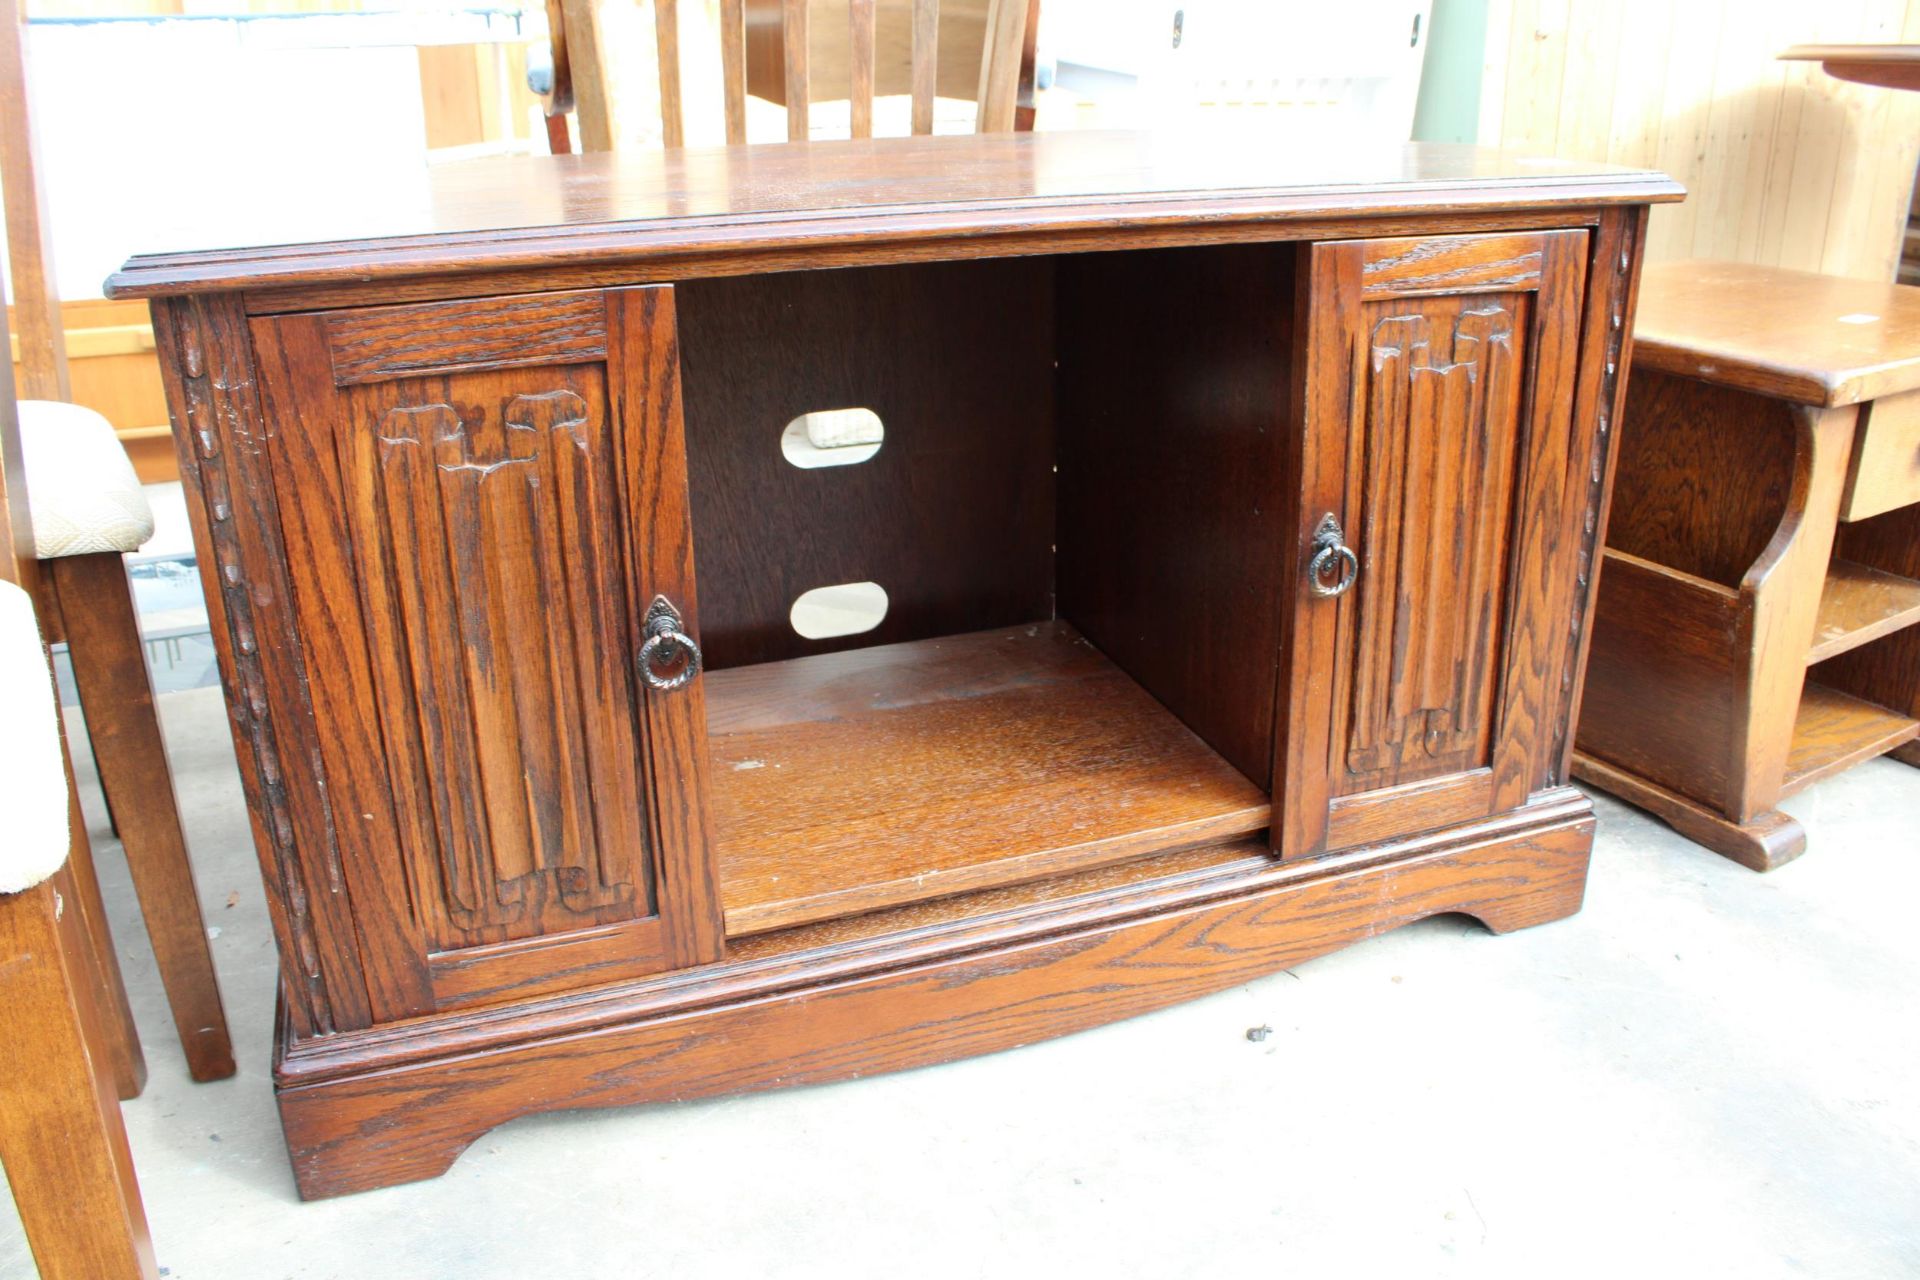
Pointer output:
x,y
110,667
62,1139
118,1040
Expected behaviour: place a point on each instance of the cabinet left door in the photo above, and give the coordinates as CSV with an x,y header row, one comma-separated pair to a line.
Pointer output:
x,y
482,502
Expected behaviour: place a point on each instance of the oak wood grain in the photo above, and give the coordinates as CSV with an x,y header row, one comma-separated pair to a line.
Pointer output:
x,y
361,1126
930,822
1859,604
495,534
861,780
1794,335
869,195
219,436
374,344
1171,488
1432,420
1704,475
1834,731
1764,842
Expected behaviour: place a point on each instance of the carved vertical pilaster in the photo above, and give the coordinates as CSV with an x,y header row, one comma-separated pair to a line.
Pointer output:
x,y
220,439
1615,270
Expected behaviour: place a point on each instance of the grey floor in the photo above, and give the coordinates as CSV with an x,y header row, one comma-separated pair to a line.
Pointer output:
x,y
1706,1073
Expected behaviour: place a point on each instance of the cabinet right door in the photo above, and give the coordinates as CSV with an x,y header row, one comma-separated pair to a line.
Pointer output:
x,y
1424,665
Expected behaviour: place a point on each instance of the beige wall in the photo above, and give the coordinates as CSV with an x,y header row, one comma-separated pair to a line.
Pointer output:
x,y
1783,164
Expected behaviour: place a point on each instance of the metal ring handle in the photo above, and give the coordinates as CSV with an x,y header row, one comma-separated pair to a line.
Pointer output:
x,y
666,640
1331,552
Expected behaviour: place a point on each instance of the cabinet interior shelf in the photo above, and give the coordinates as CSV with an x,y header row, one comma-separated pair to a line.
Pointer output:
x,y
856,781
1860,604
1835,731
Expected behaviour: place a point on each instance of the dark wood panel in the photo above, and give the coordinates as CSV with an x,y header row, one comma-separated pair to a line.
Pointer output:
x,y
1704,476
354,1125
640,205
1664,678
953,517
853,781
1173,376
372,343
1887,670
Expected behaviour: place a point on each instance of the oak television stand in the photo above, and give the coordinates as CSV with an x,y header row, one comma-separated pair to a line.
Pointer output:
x,y
1235,509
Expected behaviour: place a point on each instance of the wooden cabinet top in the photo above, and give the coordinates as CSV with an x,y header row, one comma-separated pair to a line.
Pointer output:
x,y
1793,335
729,209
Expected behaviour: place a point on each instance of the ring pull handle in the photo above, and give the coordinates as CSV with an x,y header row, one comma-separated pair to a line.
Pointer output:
x,y
669,658
1334,566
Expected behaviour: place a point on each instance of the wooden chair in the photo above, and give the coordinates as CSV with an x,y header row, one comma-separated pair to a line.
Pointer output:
x,y
69,1044
765,50
87,509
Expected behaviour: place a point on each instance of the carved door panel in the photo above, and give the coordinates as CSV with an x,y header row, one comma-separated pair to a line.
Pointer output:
x,y
1437,465
503,495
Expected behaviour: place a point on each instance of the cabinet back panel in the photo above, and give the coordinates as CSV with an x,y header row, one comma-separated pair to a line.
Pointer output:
x,y
953,516
1173,403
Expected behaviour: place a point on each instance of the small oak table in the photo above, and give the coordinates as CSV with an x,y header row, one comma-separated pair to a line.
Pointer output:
x,y
1762,569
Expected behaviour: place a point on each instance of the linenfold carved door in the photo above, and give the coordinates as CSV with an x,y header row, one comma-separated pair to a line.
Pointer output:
x,y
502,495
1439,378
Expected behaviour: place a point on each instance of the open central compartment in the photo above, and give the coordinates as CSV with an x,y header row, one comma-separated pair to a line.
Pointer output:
x,y
1073,522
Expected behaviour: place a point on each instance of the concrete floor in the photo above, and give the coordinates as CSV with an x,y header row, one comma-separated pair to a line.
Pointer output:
x,y
1706,1073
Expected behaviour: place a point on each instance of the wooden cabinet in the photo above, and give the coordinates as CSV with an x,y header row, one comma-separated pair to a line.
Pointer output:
x,y
1440,375
488,496
1234,529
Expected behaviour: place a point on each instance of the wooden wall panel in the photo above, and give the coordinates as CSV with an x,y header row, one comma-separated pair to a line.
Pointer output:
x,y
1784,165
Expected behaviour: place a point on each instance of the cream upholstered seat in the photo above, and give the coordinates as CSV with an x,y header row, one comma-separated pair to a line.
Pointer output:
x,y
33,782
82,495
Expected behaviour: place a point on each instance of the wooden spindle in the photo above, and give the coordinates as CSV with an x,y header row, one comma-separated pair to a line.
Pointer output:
x,y
592,107
1027,96
926,34
733,68
1000,66
793,37
36,310
860,17
666,40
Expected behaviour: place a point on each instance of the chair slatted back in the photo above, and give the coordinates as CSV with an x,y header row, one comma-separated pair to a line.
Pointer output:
x,y
1004,100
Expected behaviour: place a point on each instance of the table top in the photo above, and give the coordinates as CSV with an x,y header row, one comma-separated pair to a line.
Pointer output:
x,y
1793,335
538,211
1891,66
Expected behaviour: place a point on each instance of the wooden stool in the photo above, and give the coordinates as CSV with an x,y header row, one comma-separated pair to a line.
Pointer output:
x,y
1754,631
